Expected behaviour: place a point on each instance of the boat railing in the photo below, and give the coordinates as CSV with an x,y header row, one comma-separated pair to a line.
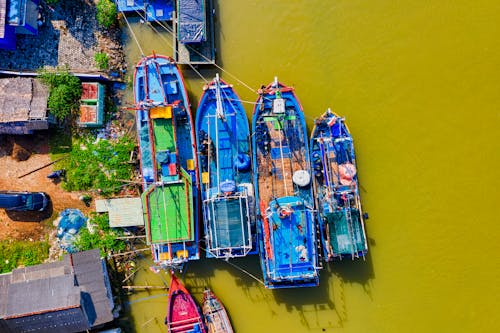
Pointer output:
x,y
244,220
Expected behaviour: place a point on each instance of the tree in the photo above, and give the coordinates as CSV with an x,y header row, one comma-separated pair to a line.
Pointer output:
x,y
65,92
106,13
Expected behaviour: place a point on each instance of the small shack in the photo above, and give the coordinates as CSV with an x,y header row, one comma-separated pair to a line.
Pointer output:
x,y
123,212
92,105
23,105
71,295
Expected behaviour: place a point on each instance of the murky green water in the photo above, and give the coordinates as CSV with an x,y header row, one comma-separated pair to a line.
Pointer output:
x,y
418,83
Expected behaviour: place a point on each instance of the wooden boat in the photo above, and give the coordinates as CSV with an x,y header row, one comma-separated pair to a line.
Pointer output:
x,y
335,183
216,318
169,166
183,315
226,172
285,219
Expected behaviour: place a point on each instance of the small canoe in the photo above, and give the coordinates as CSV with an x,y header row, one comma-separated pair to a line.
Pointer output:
x,y
183,315
286,222
215,314
226,172
336,187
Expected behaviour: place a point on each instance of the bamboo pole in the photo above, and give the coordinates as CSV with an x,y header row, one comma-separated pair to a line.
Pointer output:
x,y
145,287
147,322
130,252
42,167
131,237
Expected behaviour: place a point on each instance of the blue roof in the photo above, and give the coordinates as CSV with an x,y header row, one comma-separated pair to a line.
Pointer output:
x,y
129,5
159,10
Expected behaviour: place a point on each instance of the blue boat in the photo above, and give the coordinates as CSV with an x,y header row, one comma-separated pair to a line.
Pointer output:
x,y
336,187
285,219
226,172
169,166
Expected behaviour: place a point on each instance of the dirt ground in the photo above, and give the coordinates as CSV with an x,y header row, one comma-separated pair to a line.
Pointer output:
x,y
31,225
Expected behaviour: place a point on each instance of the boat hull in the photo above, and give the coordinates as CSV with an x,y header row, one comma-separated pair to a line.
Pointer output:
x,y
226,172
183,315
336,187
286,219
215,315
167,150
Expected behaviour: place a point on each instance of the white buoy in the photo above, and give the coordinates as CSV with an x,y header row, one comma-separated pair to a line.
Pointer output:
x,y
301,178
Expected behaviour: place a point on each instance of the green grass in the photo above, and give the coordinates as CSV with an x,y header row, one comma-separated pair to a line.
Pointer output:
x,y
16,253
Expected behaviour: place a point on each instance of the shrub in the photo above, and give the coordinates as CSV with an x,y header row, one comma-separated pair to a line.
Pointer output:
x,y
106,13
103,237
101,60
98,165
65,92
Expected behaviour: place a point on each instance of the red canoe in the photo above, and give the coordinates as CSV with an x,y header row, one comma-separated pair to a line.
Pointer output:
x,y
183,315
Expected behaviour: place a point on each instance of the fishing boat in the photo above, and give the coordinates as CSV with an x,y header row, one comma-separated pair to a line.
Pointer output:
x,y
285,219
336,187
169,167
226,172
216,318
183,315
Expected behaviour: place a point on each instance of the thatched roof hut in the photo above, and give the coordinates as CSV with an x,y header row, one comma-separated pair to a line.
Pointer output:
x,y
23,105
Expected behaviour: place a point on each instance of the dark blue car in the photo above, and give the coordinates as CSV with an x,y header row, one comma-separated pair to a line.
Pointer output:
x,y
23,201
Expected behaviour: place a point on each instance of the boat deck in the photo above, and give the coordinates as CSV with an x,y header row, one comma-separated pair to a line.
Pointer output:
x,y
169,212
293,249
285,156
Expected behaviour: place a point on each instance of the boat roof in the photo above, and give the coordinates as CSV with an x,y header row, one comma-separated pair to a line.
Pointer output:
x,y
290,225
168,212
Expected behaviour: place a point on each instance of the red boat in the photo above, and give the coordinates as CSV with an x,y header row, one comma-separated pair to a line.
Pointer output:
x,y
183,315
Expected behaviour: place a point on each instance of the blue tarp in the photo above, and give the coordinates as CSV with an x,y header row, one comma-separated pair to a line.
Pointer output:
x,y
70,222
192,21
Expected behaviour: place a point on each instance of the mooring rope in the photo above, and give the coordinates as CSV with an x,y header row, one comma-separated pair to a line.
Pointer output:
x,y
170,44
240,269
133,35
204,57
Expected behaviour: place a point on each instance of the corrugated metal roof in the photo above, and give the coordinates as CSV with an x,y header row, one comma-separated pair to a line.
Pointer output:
x,y
123,212
55,293
91,277
57,286
4,288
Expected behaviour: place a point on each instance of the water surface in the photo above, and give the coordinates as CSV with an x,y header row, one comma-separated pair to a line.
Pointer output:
x,y
418,83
